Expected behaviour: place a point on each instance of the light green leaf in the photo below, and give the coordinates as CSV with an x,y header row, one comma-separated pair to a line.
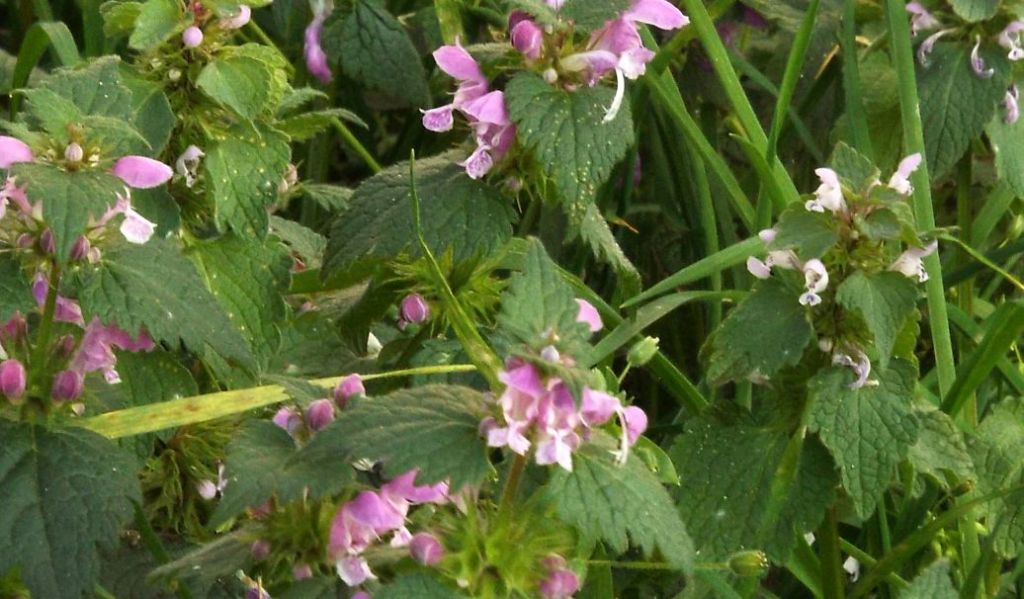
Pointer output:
x,y
941,448
1008,144
308,124
96,88
260,464
15,289
249,278
810,234
239,82
471,217
70,198
50,111
727,474
306,243
153,286
956,104
853,166
867,430
765,332
158,20
568,139
243,172
997,450
434,428
119,17
65,496
619,504
933,583
114,136
374,49
884,300
152,114
592,14
975,10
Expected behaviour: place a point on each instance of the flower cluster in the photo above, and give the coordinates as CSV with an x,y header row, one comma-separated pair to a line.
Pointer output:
x,y
193,35
371,515
321,412
1011,38
540,410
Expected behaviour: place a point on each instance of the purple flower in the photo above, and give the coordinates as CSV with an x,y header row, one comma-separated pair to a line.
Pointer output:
x,y
319,414
237,20
978,63
95,352
1011,103
861,367
354,571
141,172
414,309
426,549
635,421
589,316
349,387
525,34
1011,39
900,180
288,419
925,49
316,58
920,19
815,281
13,151
495,132
192,37
12,379
67,386
66,310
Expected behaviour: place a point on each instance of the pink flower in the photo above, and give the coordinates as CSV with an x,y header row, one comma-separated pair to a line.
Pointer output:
x,y
426,549
354,571
319,414
589,316
561,582
349,387
192,37
635,421
260,549
316,58
13,379
13,151
187,164
525,34
141,172
926,47
414,309
95,352
921,19
911,263
288,419
208,489
66,310
67,386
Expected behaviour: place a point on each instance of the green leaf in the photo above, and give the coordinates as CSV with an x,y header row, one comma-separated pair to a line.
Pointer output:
x,y
568,140
50,111
853,166
249,278
419,585
113,136
809,234
540,306
884,300
96,88
152,116
153,286
598,236
765,332
941,448
956,104
334,198
261,464
434,428
975,10
471,217
158,20
1008,144
727,474
618,504
239,82
997,450
592,14
306,243
867,430
933,583
66,496
15,289
374,49
119,17
70,198
243,172
205,567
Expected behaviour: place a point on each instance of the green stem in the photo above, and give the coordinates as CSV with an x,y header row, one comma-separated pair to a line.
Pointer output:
x,y
868,561
913,138
515,474
708,225
832,575
355,145
449,19
794,66
42,346
857,119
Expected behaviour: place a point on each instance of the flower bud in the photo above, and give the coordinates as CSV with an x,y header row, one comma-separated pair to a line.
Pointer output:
x,y
46,242
174,75
67,386
65,346
319,414
426,549
415,309
14,330
749,564
73,152
349,387
302,571
287,419
642,351
81,248
192,37
25,241
560,584
260,550
12,379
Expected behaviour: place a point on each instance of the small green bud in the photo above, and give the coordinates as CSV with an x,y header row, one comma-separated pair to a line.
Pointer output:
x,y
963,488
642,351
749,564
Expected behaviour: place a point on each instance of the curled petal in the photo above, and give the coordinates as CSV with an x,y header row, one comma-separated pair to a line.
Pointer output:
x,y
13,151
926,47
316,58
438,119
1012,105
978,63
237,20
527,37
759,268
141,172
659,13
136,228
354,571
479,162
589,316
1010,38
459,64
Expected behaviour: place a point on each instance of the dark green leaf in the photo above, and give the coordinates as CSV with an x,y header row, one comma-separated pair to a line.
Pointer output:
x,y
241,83
65,496
434,428
260,464
152,114
727,474
332,198
853,166
153,286
619,503
243,172
15,289
765,332
158,20
119,17
471,217
592,14
598,236
940,448
50,111
419,585
306,243
567,136
810,234
374,49
933,583
867,430
997,450
1008,144
884,300
96,88
975,10
308,124
956,104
